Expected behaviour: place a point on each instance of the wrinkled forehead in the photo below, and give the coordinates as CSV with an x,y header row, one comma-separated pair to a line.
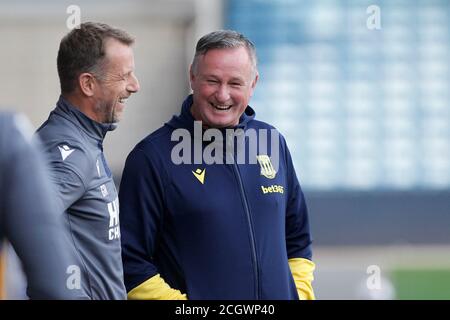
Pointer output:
x,y
238,58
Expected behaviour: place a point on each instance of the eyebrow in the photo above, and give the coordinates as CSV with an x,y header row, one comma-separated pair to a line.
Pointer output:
x,y
216,77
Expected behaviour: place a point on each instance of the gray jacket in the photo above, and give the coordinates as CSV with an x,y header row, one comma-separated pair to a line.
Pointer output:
x,y
86,193
27,217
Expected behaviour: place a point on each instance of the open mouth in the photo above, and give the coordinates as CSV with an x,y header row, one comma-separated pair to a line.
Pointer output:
x,y
123,100
221,107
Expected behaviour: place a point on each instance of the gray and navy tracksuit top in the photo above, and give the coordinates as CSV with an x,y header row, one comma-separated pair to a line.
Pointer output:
x,y
213,231
85,191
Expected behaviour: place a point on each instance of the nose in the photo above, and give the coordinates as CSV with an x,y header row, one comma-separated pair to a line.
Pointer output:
x,y
133,84
222,94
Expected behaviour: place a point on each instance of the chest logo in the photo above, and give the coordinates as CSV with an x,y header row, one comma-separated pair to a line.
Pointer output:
x,y
200,175
104,190
65,151
267,169
97,164
114,228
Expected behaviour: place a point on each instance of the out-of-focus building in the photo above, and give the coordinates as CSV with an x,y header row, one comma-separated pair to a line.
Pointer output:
x,y
360,89
166,33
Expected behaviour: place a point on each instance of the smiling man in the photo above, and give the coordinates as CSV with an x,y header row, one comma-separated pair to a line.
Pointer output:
x,y
223,229
96,72
222,82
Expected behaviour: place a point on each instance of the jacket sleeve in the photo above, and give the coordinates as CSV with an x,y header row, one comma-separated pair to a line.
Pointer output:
x,y
155,288
141,198
69,175
302,272
298,235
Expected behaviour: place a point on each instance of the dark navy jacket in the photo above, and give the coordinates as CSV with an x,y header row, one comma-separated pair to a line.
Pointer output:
x,y
229,237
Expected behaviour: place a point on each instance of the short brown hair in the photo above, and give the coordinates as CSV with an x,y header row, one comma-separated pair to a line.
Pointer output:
x,y
83,49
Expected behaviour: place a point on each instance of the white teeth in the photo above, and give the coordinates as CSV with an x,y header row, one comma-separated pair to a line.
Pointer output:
x,y
221,107
122,100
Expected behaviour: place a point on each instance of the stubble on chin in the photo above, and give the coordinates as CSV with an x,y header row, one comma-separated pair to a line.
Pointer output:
x,y
106,113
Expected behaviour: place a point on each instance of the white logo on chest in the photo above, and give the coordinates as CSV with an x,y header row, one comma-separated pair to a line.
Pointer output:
x,y
103,190
65,151
98,168
114,228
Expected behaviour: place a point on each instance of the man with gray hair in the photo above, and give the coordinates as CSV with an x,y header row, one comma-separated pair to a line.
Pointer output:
x,y
96,72
215,225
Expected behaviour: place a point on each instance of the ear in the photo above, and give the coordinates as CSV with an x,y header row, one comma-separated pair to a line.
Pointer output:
x,y
191,76
255,80
87,84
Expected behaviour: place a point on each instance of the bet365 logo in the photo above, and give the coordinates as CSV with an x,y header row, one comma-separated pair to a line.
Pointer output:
x,y
272,189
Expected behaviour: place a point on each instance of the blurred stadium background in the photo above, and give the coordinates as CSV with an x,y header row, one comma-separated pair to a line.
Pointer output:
x,y
366,113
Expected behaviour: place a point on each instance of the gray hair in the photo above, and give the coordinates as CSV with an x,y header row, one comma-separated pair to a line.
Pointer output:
x,y
224,39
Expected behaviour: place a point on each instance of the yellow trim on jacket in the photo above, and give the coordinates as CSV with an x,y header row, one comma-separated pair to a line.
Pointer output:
x,y
155,288
302,271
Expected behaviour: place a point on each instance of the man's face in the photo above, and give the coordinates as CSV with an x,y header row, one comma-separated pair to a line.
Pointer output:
x,y
222,84
117,82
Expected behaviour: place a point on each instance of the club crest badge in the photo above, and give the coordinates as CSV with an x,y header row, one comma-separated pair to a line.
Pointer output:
x,y
267,169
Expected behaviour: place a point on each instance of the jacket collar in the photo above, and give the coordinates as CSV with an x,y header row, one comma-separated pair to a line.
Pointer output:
x,y
93,128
